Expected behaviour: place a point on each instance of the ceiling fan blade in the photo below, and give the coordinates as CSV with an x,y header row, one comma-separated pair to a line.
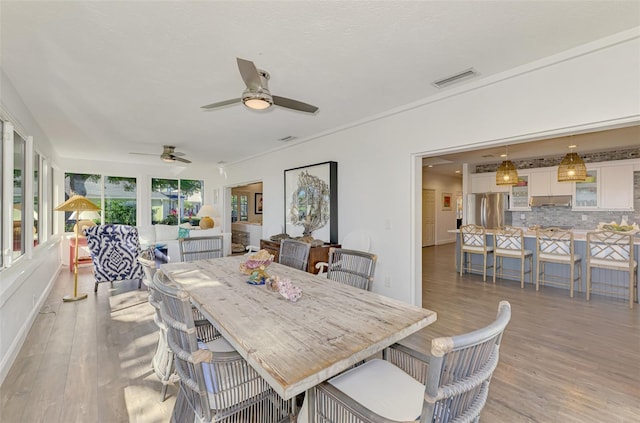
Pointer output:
x,y
221,103
249,74
293,104
177,153
180,159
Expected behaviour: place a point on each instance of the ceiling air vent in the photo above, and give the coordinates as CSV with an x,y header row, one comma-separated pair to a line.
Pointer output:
x,y
469,73
287,138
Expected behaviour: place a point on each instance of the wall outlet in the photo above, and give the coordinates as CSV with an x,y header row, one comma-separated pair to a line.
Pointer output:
x,y
584,217
522,216
387,281
387,224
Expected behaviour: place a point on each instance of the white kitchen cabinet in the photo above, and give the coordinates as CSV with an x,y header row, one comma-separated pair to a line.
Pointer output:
x,y
486,182
544,181
616,187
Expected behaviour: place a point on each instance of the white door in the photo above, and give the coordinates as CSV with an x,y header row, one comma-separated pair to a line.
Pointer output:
x,y
428,217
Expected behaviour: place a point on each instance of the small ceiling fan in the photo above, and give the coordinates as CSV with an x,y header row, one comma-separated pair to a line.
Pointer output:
x,y
168,155
257,95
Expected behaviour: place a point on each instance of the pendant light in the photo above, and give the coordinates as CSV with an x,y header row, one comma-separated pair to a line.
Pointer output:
x,y
507,173
572,168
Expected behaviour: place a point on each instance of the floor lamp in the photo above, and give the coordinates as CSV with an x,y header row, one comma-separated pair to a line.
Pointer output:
x,y
77,204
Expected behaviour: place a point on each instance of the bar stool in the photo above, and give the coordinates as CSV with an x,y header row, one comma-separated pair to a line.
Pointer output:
x,y
473,240
611,250
509,242
555,245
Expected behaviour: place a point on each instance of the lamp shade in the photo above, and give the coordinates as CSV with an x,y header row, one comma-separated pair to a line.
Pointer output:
x,y
206,211
77,203
85,215
507,174
572,169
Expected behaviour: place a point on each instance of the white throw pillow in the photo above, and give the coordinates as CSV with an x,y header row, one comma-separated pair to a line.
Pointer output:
x,y
207,232
147,235
166,232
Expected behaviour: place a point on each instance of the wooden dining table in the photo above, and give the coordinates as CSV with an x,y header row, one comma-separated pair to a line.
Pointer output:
x,y
295,345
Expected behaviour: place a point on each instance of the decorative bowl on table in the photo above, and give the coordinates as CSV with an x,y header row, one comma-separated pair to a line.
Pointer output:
x,y
261,259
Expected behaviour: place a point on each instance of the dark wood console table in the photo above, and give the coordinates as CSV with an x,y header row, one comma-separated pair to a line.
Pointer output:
x,y
316,254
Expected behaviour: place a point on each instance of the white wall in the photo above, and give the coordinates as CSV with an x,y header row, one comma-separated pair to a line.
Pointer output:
x,y
445,219
379,174
25,285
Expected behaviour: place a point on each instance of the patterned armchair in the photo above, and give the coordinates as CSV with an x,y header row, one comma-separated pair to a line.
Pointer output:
x,y
114,251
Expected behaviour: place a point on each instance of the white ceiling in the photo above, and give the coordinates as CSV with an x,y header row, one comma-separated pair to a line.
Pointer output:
x,y
107,78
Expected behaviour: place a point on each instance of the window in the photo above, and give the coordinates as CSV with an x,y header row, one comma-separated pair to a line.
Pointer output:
x,y
21,232
119,194
19,162
2,141
174,201
37,203
239,207
50,199
87,185
120,200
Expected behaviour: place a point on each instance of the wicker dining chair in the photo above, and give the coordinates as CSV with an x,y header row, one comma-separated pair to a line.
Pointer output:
x,y
201,248
612,251
354,240
351,267
449,385
216,383
294,254
162,360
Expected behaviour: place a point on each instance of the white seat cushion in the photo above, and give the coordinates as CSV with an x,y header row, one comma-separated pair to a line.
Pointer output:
x,y
622,265
384,389
558,257
509,252
476,249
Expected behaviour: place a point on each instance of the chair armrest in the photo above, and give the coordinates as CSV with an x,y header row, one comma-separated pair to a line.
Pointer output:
x,y
413,362
322,267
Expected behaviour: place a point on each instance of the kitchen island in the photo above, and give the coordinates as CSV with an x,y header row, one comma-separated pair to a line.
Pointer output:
x,y
616,278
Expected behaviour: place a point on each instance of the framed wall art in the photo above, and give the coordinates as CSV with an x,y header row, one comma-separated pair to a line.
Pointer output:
x,y
446,201
311,201
257,205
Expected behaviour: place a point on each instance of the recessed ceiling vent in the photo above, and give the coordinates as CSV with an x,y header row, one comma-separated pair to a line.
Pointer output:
x,y
450,80
287,138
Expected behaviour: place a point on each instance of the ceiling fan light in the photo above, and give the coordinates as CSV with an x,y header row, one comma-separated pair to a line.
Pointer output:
x,y
572,169
257,103
167,159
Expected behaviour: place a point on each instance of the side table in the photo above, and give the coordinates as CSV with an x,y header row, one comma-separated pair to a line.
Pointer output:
x,y
316,254
83,258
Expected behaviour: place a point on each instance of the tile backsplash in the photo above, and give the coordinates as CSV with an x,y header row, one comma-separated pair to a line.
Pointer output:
x,y
563,216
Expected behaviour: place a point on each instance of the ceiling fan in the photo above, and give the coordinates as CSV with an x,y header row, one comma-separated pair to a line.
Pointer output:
x,y
168,155
257,95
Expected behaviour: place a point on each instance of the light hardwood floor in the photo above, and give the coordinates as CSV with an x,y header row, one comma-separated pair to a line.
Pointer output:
x,y
562,359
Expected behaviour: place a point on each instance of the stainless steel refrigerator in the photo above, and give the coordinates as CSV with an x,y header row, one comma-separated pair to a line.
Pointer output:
x,y
488,210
